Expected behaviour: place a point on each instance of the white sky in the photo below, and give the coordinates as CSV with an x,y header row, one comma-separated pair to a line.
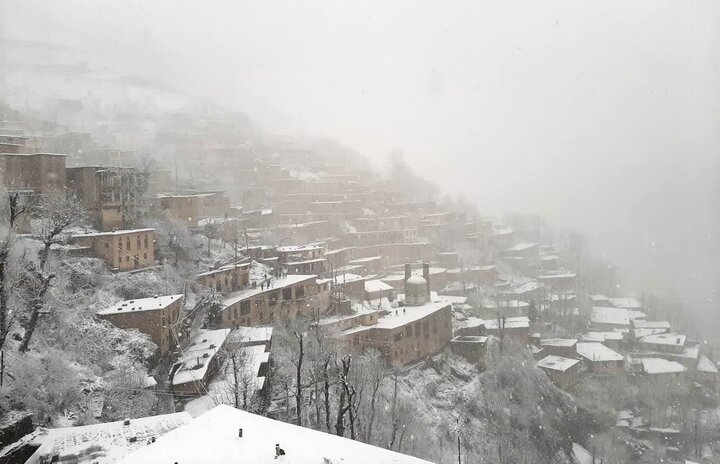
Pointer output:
x,y
600,115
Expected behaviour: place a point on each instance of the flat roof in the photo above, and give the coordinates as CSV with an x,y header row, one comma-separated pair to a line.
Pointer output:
x,y
522,246
376,286
561,342
410,315
296,248
364,260
250,335
202,349
108,442
277,283
627,303
114,232
141,304
557,363
212,438
597,352
608,315
667,339
661,366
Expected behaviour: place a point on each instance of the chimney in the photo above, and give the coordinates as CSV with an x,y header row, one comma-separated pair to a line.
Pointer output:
x,y
426,276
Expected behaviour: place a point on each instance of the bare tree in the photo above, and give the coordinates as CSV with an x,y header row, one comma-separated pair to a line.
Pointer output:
x,y
298,381
375,374
57,213
241,378
345,401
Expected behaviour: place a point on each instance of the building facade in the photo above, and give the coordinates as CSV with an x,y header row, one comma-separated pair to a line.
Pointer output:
x,y
124,250
158,317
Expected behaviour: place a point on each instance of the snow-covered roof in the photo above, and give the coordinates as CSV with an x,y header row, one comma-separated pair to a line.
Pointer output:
x,y
298,248
365,260
522,247
597,352
643,324
666,339
608,315
454,299
250,335
627,303
376,286
226,268
661,366
636,315
141,304
195,359
581,456
405,315
557,363
557,275
706,365
114,232
519,322
108,442
601,336
640,333
559,342
212,438
525,287
277,283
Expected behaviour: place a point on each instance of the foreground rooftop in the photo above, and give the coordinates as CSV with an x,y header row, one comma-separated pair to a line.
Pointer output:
x,y
213,438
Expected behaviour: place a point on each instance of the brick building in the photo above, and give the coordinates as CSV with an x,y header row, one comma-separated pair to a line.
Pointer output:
x,y
226,279
42,173
111,194
407,334
182,208
192,373
564,372
287,298
157,317
123,250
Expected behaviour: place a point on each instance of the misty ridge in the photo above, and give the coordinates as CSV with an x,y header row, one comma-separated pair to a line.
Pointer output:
x,y
333,232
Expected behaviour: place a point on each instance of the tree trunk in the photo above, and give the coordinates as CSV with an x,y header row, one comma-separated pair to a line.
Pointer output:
x,y
37,306
236,385
326,382
340,421
298,387
393,412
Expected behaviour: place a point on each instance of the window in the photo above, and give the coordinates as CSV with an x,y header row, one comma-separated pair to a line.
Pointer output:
x,y
287,293
127,259
408,330
144,255
107,245
245,307
146,241
300,292
119,244
397,337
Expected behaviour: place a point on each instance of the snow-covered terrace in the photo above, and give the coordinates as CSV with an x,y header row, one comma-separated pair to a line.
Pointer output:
x,y
277,283
597,352
557,363
141,304
214,438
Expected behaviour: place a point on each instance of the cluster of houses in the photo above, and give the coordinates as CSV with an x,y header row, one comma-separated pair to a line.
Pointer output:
x,y
622,340
368,264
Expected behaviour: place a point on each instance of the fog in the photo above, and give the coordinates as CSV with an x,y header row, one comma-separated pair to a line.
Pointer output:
x,y
602,116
